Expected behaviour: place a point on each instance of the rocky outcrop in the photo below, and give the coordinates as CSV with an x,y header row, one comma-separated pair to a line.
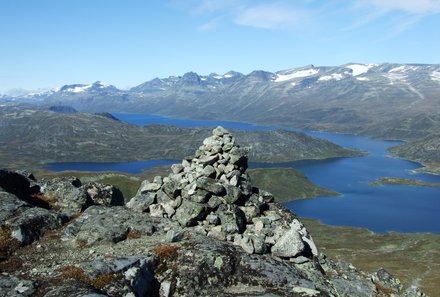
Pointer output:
x,y
203,230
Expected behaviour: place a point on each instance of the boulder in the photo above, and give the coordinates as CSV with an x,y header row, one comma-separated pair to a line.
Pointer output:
x,y
190,212
106,195
383,279
288,245
32,223
9,205
99,224
13,286
211,185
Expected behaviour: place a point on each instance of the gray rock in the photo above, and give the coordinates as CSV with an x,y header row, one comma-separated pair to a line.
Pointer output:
x,y
413,291
141,202
289,245
157,210
247,245
102,194
190,212
9,205
232,219
72,288
207,160
214,202
250,212
384,279
211,185
11,286
220,131
259,243
354,287
32,223
69,195
147,186
213,219
209,171
107,224
171,187
19,185
176,168
233,194
174,235
200,196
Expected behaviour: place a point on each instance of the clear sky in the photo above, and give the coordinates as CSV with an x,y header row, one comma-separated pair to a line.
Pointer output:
x,y
49,43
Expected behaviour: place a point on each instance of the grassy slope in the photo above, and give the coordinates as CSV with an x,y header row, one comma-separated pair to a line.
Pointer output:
x,y
287,184
413,258
425,151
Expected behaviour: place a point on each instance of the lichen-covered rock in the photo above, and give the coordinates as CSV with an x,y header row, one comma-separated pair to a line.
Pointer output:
x,y
68,194
11,286
20,185
107,224
9,205
288,245
102,194
383,279
190,212
413,291
34,222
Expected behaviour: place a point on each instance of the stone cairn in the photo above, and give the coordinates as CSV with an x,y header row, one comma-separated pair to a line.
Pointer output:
x,y
211,193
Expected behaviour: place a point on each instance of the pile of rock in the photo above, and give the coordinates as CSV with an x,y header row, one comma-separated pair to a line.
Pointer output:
x,y
212,193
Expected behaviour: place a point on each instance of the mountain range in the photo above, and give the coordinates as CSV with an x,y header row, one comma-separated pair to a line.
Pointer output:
x,y
384,100
389,101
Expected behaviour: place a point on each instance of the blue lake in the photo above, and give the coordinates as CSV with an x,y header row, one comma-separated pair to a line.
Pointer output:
x,y
378,208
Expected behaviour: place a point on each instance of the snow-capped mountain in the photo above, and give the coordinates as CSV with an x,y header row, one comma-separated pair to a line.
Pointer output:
x,y
352,97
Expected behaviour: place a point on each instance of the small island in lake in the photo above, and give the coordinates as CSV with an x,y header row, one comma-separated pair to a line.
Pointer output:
x,y
403,181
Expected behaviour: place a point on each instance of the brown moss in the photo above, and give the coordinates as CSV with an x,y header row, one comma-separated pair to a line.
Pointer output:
x,y
104,280
8,244
165,251
45,199
134,234
75,273
78,274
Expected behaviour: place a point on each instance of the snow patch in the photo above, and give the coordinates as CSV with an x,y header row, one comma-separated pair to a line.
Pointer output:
x,y
395,77
398,69
78,89
334,76
358,69
227,75
435,76
296,74
363,78
404,68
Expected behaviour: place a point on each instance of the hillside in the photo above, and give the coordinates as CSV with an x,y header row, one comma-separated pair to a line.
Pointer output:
x,y
203,230
425,151
31,136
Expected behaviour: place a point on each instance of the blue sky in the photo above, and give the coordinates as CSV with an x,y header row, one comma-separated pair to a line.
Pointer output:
x,y
48,43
